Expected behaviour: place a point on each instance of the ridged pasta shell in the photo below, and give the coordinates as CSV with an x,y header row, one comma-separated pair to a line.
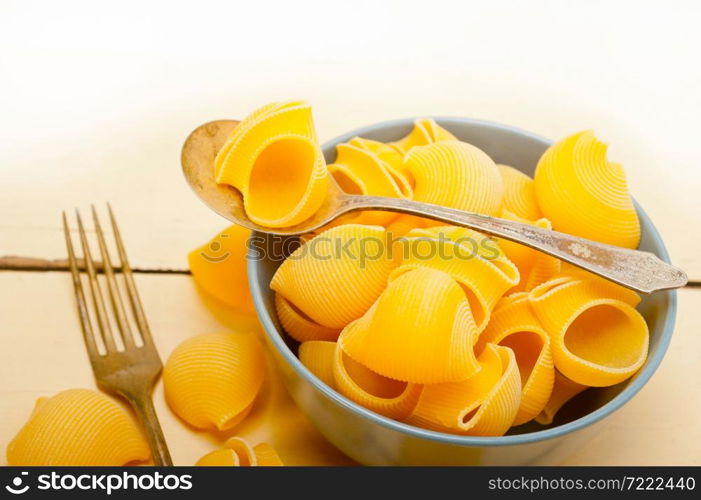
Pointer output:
x,y
237,452
212,380
299,326
78,427
514,325
219,267
388,154
483,405
456,174
273,158
475,261
597,337
425,131
388,397
318,356
519,193
584,194
334,278
564,389
420,330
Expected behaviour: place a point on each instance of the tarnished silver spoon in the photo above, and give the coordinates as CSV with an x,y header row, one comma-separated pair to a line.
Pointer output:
x,y
638,270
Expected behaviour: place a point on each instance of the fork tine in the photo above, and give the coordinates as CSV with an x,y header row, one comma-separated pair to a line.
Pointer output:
x,y
115,297
98,301
85,325
134,299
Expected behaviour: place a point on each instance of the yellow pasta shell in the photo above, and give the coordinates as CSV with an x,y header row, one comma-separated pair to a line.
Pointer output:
x,y
211,380
78,427
273,158
420,330
388,397
237,452
425,131
334,278
519,193
318,356
563,390
473,260
391,157
219,267
483,405
456,174
584,194
597,337
299,326
514,325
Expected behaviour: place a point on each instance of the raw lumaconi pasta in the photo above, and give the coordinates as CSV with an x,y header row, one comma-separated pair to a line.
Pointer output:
x,y
584,194
519,193
597,336
456,174
212,380
78,427
563,390
388,154
425,131
298,325
383,395
534,267
273,158
484,404
514,325
219,267
318,356
358,170
334,278
237,452
473,260
423,319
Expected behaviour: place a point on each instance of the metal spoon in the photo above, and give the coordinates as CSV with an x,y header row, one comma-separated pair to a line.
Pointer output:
x,y
638,270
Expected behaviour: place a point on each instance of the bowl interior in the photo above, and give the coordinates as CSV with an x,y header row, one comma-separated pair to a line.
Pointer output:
x,y
521,150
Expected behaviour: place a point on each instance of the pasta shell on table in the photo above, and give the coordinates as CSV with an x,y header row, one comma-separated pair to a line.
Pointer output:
x,y
519,193
237,452
219,267
456,174
273,158
514,325
298,325
425,131
420,330
597,337
475,261
534,267
78,427
318,356
584,194
212,380
564,389
484,404
388,397
361,171
335,277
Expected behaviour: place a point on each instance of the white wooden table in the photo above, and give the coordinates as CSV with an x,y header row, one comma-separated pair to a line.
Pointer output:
x,y
95,104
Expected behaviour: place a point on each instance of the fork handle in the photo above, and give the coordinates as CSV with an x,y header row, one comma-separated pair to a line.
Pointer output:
x,y
143,405
641,271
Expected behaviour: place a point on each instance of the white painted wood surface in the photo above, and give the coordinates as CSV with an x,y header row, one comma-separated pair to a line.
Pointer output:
x,y
95,103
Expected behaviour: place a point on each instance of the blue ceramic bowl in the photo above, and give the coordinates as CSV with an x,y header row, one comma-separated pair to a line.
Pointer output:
x,y
373,439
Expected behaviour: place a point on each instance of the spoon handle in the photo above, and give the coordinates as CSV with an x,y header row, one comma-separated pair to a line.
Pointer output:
x,y
638,270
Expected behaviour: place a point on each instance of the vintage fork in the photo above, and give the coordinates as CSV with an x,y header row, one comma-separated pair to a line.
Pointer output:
x,y
133,371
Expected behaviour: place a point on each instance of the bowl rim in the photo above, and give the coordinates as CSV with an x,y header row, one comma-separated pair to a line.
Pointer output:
x,y
643,376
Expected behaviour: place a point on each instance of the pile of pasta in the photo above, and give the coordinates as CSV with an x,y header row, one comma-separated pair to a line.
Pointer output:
x,y
439,326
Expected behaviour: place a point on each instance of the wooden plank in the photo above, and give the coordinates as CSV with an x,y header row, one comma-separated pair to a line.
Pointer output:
x,y
41,353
